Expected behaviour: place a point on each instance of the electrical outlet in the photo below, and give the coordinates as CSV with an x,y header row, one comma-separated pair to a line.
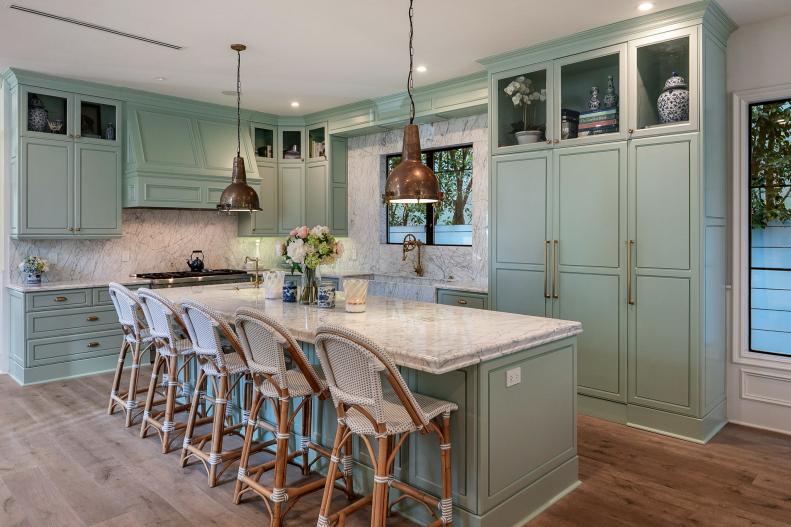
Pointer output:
x,y
125,256
513,377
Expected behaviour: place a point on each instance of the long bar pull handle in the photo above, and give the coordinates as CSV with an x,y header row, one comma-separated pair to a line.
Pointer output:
x,y
629,271
555,274
546,269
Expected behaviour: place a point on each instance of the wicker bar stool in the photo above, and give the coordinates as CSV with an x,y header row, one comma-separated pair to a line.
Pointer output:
x,y
266,344
138,340
173,356
206,328
353,366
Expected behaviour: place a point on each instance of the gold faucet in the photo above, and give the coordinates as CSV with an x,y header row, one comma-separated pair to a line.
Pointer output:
x,y
256,280
410,242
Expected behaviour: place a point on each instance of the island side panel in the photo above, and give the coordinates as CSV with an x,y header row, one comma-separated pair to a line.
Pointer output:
x,y
528,433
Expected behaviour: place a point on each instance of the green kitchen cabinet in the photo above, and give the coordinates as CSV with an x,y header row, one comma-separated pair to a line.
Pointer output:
x,y
634,226
521,233
291,196
66,177
265,221
339,186
317,193
292,144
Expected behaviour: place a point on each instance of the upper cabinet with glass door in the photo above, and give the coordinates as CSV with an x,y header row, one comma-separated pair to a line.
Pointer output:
x,y
589,106
292,144
317,142
521,108
46,114
264,143
97,120
663,83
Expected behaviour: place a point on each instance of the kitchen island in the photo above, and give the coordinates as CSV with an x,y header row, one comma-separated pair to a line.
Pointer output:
x,y
513,377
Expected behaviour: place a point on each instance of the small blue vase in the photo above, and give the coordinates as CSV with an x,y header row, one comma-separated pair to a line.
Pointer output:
x,y
326,299
289,291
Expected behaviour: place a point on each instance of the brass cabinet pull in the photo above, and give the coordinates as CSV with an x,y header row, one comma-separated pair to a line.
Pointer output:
x,y
555,274
556,141
461,301
629,247
93,344
77,136
92,318
546,267
549,141
77,229
631,131
60,299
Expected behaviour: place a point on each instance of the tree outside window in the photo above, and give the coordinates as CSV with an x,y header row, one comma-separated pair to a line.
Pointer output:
x,y
448,222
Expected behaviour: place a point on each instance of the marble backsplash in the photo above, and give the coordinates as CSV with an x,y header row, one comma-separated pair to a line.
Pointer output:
x,y
161,240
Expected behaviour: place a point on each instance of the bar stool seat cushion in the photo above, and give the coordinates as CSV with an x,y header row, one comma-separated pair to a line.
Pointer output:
x,y
183,347
233,363
298,385
145,337
397,419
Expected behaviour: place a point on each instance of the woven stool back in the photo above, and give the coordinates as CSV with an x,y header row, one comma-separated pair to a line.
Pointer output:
x,y
127,307
266,343
161,314
205,326
352,365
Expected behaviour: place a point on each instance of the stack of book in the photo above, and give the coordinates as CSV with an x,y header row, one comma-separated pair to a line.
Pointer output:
x,y
598,122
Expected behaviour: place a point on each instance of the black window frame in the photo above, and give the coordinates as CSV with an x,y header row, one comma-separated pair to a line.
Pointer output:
x,y
749,211
430,220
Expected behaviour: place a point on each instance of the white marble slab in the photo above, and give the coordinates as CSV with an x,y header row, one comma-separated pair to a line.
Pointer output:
x,y
75,284
419,335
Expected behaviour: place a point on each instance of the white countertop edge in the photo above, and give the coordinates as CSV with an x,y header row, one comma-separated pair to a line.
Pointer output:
x,y
74,284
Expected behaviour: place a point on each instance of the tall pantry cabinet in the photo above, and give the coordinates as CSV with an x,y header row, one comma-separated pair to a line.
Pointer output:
x,y
616,216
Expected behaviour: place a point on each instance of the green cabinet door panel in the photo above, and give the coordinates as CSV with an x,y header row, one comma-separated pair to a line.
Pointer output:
x,y
291,190
218,143
520,291
47,187
165,139
660,356
316,194
265,221
520,188
340,214
339,160
590,210
662,189
590,224
98,181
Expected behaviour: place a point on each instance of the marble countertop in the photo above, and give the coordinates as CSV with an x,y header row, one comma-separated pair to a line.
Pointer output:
x,y
430,337
75,284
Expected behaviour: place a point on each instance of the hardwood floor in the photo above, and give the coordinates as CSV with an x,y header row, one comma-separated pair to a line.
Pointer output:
x,y
64,463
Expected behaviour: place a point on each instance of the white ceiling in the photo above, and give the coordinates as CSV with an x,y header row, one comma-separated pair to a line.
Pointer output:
x,y
322,54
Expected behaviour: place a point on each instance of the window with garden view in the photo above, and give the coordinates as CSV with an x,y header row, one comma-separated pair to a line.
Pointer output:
x,y
448,222
770,227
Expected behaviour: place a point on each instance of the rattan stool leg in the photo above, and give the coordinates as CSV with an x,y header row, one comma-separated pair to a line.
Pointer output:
x,y
381,480
131,396
169,425
329,484
279,495
306,434
446,505
119,370
152,388
244,460
218,429
196,402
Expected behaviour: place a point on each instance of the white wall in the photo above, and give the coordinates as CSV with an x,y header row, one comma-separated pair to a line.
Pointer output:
x,y
758,57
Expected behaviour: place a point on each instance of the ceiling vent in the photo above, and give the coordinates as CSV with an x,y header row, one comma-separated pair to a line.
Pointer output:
x,y
92,26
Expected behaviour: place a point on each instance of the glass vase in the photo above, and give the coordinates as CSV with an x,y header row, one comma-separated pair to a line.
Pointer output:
x,y
310,286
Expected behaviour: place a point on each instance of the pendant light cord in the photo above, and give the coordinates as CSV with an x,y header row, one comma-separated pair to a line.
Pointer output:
x,y
238,102
410,84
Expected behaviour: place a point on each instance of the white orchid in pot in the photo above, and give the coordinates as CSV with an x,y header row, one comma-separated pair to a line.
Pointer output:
x,y
33,267
305,250
525,95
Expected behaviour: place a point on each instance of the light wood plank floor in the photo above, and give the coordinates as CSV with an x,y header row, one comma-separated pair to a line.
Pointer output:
x,y
63,463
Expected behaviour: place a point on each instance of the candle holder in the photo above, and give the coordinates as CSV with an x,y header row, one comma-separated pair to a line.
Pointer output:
x,y
356,294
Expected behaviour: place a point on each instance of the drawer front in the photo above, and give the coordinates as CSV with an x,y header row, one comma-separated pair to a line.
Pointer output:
x,y
71,321
101,295
58,299
63,349
455,298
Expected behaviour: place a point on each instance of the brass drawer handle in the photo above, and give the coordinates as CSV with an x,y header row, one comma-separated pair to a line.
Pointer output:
x,y
546,268
92,318
93,344
629,270
461,301
555,293
60,299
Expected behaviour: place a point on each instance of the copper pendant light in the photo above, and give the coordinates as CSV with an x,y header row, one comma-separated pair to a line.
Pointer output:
x,y
411,181
238,196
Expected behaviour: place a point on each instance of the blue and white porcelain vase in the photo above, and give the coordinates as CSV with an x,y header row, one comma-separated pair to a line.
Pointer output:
x,y
673,103
32,278
594,103
37,115
610,98
326,295
289,291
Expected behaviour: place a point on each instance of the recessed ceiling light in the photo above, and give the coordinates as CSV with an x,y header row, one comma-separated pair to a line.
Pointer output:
x,y
646,6
421,69
295,104
159,78
229,92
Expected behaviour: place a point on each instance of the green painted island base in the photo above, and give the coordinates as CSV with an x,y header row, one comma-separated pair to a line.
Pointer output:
x,y
697,430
